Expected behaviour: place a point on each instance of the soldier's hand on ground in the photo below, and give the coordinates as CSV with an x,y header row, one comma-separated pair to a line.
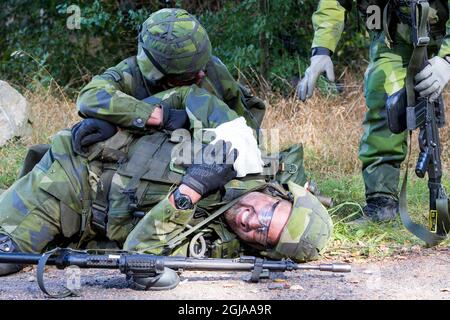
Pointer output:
x,y
174,118
432,80
89,131
214,170
319,65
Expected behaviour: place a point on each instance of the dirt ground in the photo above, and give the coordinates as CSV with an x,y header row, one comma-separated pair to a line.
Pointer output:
x,y
420,275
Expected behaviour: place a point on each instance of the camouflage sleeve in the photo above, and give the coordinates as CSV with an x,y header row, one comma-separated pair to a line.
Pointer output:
x,y
328,22
445,47
202,107
231,94
221,83
108,97
161,224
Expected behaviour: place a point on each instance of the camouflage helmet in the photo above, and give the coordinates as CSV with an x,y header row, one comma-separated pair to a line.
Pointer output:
x,y
307,231
171,41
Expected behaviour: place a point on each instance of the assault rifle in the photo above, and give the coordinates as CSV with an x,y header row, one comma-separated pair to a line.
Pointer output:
x,y
141,266
407,111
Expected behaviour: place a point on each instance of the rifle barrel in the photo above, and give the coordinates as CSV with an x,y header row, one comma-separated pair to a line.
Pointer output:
x,y
20,258
113,262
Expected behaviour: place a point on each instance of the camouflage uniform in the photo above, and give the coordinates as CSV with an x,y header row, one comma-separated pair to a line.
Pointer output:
x,y
52,205
381,152
116,95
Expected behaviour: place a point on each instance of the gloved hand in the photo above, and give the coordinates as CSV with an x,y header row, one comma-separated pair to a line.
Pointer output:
x,y
319,64
431,81
206,174
174,118
90,131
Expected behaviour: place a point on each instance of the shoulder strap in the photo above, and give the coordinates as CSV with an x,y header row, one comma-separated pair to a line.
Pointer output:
x,y
213,75
177,240
141,88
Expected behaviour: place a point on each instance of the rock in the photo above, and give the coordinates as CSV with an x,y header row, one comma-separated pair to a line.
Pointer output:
x,y
14,114
297,287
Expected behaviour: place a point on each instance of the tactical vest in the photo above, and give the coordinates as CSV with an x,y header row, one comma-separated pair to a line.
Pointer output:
x,y
129,175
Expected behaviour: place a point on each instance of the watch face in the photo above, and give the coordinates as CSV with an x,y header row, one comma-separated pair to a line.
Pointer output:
x,y
182,201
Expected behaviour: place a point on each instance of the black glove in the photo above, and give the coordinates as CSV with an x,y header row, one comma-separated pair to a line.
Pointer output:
x,y
174,118
206,174
89,131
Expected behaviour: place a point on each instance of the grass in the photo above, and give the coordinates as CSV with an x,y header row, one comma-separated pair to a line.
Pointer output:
x,y
10,162
330,129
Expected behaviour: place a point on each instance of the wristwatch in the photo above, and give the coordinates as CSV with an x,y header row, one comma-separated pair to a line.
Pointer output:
x,y
182,201
316,51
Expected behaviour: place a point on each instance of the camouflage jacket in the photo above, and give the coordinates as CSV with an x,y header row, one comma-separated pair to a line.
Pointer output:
x,y
74,179
116,95
329,21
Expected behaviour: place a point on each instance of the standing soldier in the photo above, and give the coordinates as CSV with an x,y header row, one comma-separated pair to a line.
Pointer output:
x,y
381,152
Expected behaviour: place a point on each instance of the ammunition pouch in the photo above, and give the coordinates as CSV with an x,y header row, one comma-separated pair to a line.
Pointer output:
x,y
396,106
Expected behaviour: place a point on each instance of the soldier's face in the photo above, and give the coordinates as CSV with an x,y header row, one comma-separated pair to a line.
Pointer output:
x,y
259,218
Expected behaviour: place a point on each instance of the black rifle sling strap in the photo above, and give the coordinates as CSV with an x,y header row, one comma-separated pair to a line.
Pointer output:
x,y
66,292
419,15
101,202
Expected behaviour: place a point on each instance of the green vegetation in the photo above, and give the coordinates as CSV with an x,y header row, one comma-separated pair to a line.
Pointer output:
x,y
254,38
11,157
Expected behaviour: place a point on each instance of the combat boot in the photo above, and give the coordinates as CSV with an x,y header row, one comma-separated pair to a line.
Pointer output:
x,y
7,246
169,279
381,209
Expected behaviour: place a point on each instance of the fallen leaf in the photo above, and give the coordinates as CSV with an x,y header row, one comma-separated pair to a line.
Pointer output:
x,y
445,290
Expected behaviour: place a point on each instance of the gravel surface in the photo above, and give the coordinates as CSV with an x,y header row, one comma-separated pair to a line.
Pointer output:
x,y
418,275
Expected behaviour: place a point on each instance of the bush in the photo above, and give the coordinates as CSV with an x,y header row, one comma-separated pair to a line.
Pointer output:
x,y
254,38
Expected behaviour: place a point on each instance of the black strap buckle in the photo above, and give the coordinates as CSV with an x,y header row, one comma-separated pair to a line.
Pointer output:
x,y
99,216
131,194
422,41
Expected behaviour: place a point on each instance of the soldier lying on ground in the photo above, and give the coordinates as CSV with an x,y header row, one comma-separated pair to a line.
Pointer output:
x,y
100,195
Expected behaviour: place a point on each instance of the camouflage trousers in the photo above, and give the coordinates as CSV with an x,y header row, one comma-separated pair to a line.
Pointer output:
x,y
30,215
382,152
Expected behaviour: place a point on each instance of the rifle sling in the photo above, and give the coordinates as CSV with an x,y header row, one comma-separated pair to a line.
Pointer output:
x,y
419,54
431,239
416,63
66,292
